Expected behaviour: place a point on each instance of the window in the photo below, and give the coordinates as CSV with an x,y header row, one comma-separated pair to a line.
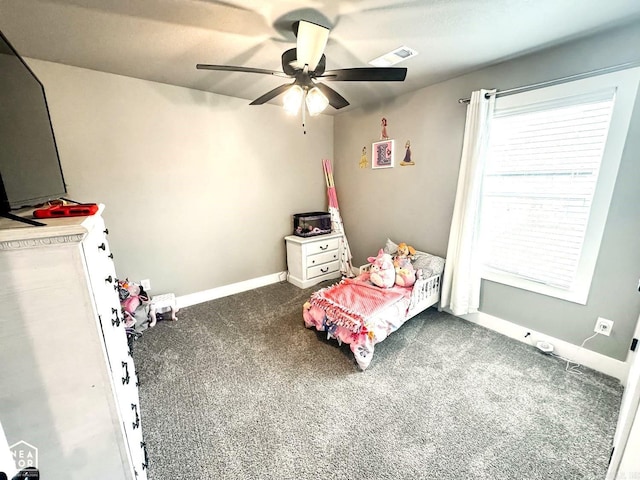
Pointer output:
x,y
549,176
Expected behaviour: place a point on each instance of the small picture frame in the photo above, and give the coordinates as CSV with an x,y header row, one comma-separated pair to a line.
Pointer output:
x,y
382,154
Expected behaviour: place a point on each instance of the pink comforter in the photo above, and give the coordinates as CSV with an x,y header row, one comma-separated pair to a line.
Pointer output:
x,y
350,312
351,302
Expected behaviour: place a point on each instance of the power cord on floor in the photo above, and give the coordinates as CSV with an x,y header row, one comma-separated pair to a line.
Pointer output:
x,y
574,367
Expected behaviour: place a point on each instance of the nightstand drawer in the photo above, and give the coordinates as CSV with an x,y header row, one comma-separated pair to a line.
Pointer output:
x,y
320,258
323,246
325,269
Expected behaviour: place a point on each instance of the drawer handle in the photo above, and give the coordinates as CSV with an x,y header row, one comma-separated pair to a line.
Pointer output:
x,y
136,424
111,256
102,246
126,378
325,247
115,321
324,270
106,231
109,279
145,464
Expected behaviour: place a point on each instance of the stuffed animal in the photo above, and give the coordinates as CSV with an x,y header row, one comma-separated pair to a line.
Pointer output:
x,y
405,252
405,277
139,313
405,273
382,273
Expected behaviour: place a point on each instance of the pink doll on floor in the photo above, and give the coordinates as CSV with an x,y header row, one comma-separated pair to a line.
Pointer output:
x,y
139,313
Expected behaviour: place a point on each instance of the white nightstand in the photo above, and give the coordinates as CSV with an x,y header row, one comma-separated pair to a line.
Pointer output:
x,y
312,260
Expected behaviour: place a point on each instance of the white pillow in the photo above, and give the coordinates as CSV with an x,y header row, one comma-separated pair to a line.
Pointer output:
x,y
429,264
390,247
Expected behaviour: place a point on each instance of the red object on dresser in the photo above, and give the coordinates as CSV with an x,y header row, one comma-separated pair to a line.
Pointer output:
x,y
79,210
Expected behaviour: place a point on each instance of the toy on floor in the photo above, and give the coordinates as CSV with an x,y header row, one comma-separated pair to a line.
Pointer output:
x,y
165,307
139,313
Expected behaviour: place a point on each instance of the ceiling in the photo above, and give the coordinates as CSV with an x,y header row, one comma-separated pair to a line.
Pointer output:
x,y
162,40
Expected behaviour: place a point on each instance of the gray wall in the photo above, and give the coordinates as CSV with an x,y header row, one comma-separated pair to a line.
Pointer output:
x,y
199,188
415,204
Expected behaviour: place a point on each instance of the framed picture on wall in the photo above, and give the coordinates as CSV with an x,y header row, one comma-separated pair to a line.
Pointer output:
x,y
382,154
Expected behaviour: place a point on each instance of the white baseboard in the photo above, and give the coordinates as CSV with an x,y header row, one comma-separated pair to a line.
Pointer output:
x,y
588,358
231,289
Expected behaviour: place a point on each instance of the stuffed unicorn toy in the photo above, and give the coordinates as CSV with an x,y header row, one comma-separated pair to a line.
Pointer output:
x,y
382,273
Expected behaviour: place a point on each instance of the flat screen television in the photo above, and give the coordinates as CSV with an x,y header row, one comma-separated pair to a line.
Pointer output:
x,y
30,170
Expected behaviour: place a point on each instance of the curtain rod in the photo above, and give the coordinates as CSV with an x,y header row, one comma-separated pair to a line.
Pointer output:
x,y
557,81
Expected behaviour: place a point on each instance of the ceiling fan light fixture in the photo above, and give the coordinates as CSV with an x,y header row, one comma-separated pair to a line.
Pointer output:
x,y
293,99
316,101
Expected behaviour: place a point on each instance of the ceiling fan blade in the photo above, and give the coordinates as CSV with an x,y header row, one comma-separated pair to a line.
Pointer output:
x,y
311,42
231,68
336,100
366,74
271,94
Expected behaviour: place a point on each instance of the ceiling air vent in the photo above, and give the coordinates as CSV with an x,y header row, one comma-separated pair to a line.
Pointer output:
x,y
396,56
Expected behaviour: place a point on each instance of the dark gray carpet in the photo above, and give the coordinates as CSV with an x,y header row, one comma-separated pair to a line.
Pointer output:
x,y
238,388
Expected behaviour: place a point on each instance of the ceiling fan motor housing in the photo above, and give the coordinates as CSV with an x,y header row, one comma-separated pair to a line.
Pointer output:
x,y
289,59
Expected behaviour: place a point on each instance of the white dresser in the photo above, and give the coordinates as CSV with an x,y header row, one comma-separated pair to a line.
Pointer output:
x,y
68,385
312,260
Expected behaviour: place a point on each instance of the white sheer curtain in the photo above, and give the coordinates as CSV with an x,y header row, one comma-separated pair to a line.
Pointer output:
x,y
461,280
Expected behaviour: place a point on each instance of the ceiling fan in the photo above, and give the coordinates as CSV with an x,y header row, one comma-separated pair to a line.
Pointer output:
x,y
305,64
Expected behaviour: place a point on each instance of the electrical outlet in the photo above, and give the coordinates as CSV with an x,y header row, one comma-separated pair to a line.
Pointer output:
x,y
146,284
603,326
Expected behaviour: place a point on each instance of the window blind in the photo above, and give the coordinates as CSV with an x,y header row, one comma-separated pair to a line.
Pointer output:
x,y
539,181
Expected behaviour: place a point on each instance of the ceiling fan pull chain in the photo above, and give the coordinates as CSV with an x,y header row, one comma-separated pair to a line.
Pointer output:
x,y
304,111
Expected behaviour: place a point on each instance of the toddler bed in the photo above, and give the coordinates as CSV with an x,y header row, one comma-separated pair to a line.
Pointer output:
x,y
357,312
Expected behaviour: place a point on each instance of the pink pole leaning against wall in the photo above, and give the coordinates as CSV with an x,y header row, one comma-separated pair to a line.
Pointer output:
x,y
336,221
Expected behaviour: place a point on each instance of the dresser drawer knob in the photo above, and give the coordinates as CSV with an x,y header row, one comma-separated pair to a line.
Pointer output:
x,y
324,270
102,246
111,256
115,321
109,279
325,247
106,231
